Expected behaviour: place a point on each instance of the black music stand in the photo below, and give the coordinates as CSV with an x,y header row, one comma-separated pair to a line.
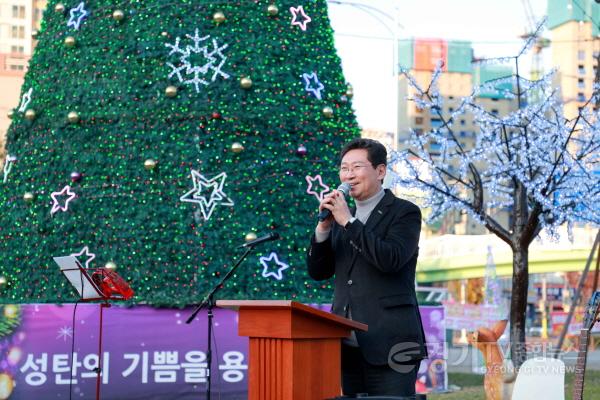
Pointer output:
x,y
88,291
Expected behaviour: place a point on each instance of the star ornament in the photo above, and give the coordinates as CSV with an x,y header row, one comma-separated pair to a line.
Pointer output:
x,y
8,164
77,16
208,193
57,204
313,85
311,181
25,100
281,266
85,251
298,12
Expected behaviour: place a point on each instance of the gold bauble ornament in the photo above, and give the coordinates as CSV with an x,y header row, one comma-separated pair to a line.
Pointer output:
x,y
350,91
28,197
250,236
118,15
237,147
7,384
34,34
11,311
150,164
164,34
246,83
70,41
10,114
171,91
2,280
218,17
110,265
59,8
73,117
30,114
272,10
328,112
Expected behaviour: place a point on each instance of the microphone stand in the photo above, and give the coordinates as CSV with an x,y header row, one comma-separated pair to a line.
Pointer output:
x,y
209,303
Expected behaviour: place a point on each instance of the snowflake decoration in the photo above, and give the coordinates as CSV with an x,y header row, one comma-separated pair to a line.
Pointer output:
x,y
25,100
86,251
305,18
310,189
65,332
187,71
313,85
8,164
56,204
281,266
77,15
215,197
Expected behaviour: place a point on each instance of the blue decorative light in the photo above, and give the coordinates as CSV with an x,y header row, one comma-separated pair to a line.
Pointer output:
x,y
313,85
77,15
266,269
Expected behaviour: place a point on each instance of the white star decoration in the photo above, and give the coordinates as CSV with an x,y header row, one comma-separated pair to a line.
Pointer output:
x,y
313,85
275,274
209,201
77,15
25,100
305,18
86,251
310,189
8,164
214,60
56,205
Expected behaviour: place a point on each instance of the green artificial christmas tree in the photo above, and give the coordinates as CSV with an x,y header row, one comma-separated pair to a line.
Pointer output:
x,y
156,136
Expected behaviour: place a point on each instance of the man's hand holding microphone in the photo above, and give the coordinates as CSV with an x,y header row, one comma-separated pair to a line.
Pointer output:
x,y
334,207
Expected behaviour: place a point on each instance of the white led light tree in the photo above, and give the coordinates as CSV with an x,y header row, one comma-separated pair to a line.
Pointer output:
x,y
533,163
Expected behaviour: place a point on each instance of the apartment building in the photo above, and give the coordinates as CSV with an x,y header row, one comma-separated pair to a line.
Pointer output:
x,y
574,32
18,21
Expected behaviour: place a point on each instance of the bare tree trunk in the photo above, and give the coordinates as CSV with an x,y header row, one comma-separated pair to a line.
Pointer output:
x,y
520,281
518,305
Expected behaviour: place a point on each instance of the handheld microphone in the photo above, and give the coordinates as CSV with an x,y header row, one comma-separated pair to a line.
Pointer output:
x,y
262,239
345,189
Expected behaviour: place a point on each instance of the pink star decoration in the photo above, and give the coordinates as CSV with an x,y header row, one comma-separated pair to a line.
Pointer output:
x,y
56,204
310,189
85,252
305,18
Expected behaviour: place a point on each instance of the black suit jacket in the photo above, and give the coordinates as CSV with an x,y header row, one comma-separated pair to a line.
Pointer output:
x,y
374,266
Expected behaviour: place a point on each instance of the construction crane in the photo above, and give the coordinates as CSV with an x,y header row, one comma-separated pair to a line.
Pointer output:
x,y
540,43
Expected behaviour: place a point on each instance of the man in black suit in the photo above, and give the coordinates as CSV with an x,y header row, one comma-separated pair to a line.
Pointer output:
x,y
372,251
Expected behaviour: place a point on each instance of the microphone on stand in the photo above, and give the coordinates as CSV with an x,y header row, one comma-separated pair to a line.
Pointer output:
x,y
262,239
345,189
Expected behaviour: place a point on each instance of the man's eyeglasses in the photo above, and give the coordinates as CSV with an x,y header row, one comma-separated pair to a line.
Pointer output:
x,y
345,169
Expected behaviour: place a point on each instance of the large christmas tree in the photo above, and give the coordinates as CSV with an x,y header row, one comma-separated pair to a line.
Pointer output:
x,y
156,136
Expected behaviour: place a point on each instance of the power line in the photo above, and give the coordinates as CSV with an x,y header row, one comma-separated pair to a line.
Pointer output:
x,y
489,42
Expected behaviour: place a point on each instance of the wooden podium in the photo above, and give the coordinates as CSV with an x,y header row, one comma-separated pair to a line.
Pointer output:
x,y
294,349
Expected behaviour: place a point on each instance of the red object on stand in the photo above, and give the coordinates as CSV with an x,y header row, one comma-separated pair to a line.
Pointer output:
x,y
111,284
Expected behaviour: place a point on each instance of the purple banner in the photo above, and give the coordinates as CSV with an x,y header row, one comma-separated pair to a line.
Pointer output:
x,y
433,376
147,353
